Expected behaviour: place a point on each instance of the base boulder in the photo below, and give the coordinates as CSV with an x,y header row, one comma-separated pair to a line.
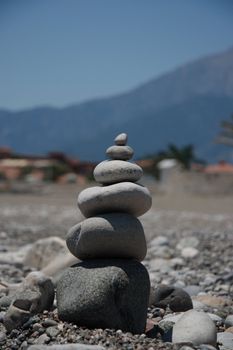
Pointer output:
x,y
105,293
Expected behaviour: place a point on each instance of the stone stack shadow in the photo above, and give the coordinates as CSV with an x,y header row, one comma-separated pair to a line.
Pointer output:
x,y
110,287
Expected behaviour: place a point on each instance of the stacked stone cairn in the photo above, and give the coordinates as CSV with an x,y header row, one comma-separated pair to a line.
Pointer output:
x,y
109,288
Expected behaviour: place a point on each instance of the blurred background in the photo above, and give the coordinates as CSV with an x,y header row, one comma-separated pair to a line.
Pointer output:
x,y
75,73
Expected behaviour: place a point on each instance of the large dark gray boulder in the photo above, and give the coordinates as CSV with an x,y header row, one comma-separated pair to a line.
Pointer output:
x,y
105,293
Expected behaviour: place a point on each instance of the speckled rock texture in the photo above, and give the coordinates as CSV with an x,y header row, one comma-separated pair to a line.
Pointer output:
x,y
125,197
113,171
105,294
113,235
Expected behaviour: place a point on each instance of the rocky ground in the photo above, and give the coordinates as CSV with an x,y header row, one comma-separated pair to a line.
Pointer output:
x,y
189,246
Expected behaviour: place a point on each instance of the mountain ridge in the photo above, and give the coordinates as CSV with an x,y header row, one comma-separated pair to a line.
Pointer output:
x,y
75,129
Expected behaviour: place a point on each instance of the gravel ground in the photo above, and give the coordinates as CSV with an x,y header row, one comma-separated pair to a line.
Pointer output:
x,y
205,225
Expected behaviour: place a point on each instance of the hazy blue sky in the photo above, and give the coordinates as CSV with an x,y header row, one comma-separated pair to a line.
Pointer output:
x,y
58,52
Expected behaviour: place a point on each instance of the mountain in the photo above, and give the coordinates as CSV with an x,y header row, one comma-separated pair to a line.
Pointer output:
x,y
183,106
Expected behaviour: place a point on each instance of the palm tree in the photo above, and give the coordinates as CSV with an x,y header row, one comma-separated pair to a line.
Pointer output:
x,y
184,155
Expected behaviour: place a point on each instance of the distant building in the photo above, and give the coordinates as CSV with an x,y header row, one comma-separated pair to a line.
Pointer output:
x,y
220,168
5,152
42,168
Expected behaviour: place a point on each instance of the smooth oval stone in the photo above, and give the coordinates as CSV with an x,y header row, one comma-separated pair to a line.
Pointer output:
x,y
120,152
125,197
111,171
195,327
229,321
115,235
121,139
105,293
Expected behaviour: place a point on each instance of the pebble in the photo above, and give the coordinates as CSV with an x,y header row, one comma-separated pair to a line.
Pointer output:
x,y
159,241
36,326
116,235
176,299
177,262
121,139
2,336
195,327
35,294
49,323
189,252
126,197
225,340
229,321
120,152
113,171
187,242
2,314
5,301
52,332
161,252
161,265
42,339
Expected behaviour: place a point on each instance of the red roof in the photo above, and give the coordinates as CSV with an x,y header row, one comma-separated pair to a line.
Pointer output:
x,y
220,168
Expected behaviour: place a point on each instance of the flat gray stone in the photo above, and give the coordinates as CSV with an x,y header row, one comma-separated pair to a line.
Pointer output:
x,y
115,235
226,340
120,152
105,293
112,171
121,139
126,197
195,327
